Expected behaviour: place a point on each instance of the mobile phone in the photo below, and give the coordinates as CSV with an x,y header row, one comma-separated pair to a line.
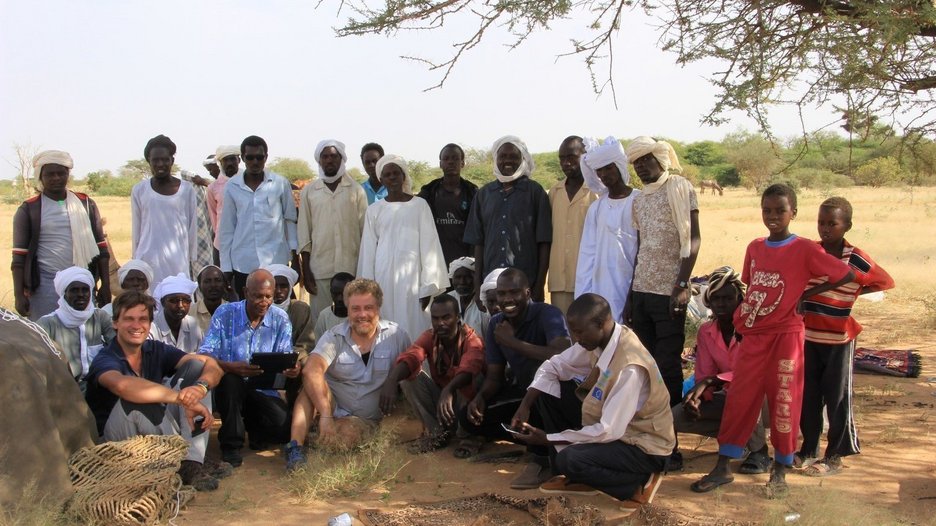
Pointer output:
x,y
511,430
197,430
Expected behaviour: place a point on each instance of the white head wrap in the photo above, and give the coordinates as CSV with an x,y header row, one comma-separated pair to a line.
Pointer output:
x,y
338,145
598,156
211,160
463,262
490,281
226,151
84,246
678,193
526,166
51,157
178,284
719,278
399,161
70,317
291,276
136,264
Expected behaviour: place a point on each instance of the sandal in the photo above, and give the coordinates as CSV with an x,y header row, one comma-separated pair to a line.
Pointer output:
x,y
709,482
468,447
800,462
823,468
755,464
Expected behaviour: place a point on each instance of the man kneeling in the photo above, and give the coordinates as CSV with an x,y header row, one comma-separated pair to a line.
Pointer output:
x,y
342,378
127,397
627,432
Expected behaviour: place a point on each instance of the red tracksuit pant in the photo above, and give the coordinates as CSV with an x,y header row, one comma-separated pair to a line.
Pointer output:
x,y
771,365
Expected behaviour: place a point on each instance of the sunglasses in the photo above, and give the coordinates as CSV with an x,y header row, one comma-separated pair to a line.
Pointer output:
x,y
254,157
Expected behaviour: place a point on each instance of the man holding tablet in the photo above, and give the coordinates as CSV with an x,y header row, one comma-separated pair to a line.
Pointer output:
x,y
239,332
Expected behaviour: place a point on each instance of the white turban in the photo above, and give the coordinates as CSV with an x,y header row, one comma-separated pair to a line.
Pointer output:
x,y
226,151
136,264
490,281
598,156
51,157
401,162
211,160
661,150
178,284
71,317
463,262
338,145
526,166
284,271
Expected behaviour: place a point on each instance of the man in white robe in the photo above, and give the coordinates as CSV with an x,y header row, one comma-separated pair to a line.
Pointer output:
x,y
609,241
400,250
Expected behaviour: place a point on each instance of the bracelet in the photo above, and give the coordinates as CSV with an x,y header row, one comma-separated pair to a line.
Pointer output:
x,y
203,384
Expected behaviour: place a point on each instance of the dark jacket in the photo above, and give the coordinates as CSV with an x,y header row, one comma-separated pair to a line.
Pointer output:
x,y
26,224
428,192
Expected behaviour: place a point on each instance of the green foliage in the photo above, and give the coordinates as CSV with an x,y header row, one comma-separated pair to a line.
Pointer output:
x,y
96,179
879,172
704,153
139,169
292,168
725,174
116,186
421,173
754,157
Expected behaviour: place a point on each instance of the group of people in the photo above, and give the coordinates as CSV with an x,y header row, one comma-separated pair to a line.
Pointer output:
x,y
441,294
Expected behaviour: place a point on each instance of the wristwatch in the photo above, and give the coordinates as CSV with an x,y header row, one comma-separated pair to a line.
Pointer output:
x,y
683,284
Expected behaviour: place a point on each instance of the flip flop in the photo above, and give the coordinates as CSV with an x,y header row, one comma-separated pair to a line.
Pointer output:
x,y
821,469
708,483
755,464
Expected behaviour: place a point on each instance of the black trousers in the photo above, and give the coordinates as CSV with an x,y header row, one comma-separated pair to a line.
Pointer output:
x,y
244,410
828,382
548,413
663,335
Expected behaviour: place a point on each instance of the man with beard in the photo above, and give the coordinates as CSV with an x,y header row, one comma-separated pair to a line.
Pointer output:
x,y
569,201
455,355
510,222
331,222
229,159
79,329
213,290
237,332
523,335
173,324
449,198
258,219
342,379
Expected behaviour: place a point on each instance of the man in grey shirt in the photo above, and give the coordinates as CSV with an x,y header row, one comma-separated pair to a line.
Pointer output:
x,y
342,378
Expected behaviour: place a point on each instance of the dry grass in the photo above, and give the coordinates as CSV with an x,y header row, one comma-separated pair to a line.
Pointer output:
x,y
33,509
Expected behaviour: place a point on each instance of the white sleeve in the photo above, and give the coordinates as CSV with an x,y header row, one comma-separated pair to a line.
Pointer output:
x,y
566,365
588,249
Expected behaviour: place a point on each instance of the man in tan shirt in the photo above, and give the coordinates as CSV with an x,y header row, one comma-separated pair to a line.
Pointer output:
x,y
331,222
569,200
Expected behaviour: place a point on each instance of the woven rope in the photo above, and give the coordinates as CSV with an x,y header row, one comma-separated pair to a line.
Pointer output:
x,y
132,482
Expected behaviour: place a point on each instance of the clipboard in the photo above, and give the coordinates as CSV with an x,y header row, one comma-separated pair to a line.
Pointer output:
x,y
273,364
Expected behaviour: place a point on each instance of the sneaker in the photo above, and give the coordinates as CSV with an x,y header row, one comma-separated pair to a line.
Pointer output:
x,y
295,457
193,474
563,485
532,476
232,457
645,493
218,469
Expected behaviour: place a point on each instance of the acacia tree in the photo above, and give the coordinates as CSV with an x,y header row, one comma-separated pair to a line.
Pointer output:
x,y
869,58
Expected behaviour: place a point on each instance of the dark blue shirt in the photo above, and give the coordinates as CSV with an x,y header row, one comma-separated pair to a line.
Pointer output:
x,y
542,323
159,361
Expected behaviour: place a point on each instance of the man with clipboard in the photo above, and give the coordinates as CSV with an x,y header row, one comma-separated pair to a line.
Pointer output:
x,y
240,333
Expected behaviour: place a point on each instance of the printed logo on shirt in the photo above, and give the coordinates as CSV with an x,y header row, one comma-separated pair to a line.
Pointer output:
x,y
783,419
449,219
597,393
754,303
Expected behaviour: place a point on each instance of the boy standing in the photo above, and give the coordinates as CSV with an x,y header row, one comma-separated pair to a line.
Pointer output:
x,y
770,359
830,344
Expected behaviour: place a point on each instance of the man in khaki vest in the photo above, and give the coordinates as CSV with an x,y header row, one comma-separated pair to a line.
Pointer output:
x,y
627,427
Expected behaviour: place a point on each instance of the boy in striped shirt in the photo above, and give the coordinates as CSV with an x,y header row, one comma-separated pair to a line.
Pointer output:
x,y
830,344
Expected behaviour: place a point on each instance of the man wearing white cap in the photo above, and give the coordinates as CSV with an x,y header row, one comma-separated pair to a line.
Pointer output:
x,y
79,329
133,275
569,200
400,250
331,221
52,231
461,274
173,324
300,314
228,157
510,224
609,241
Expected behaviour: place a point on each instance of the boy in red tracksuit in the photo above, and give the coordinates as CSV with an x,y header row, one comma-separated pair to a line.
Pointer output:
x,y
770,360
830,344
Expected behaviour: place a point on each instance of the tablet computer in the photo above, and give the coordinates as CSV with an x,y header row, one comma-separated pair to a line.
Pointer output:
x,y
273,364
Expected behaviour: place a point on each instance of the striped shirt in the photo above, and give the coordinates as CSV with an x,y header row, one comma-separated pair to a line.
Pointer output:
x,y
828,315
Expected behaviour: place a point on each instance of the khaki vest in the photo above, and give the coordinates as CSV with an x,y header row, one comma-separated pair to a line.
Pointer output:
x,y
651,429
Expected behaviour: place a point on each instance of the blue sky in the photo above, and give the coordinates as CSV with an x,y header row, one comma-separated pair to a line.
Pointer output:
x,y
98,79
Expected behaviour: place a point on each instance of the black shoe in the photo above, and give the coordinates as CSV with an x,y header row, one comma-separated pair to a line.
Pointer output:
x,y
675,462
232,457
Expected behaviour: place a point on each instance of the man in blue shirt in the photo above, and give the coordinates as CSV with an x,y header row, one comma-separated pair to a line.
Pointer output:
x,y
237,332
127,396
258,218
523,335
370,154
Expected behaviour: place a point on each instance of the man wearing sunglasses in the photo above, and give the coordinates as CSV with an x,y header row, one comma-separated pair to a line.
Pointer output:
x,y
258,218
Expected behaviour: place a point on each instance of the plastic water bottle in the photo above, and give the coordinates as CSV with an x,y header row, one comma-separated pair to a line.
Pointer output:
x,y
341,520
